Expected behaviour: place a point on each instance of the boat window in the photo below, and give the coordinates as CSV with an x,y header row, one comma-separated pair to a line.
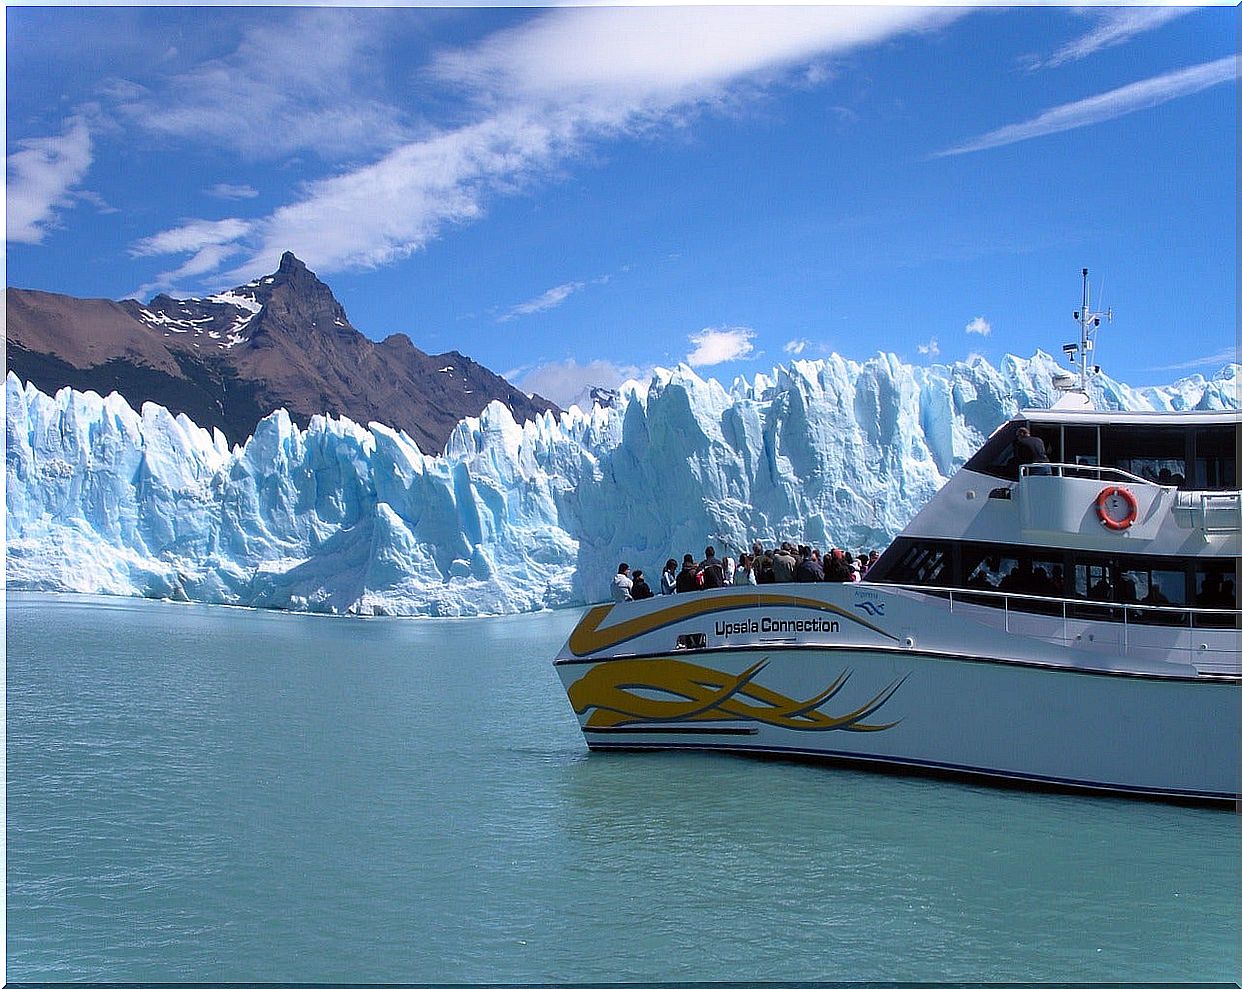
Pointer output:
x,y
1015,570
1082,446
1216,458
918,562
1099,582
995,457
1093,581
1139,583
1155,454
1051,435
1216,587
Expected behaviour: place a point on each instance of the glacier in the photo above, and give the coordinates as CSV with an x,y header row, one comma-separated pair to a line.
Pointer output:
x,y
342,518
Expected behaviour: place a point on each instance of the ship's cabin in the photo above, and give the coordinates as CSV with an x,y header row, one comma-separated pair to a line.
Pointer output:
x,y
1198,454
1194,452
1153,589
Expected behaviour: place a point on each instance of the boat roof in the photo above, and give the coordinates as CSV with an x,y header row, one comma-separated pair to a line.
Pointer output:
x,y
1095,417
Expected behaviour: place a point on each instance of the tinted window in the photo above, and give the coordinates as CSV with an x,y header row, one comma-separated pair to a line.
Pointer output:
x,y
1014,569
1051,435
1150,582
1082,445
918,562
996,455
1216,587
1216,457
1155,454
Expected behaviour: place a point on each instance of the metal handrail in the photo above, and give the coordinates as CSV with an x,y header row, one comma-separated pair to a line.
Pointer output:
x,y
1066,603
1232,504
1087,470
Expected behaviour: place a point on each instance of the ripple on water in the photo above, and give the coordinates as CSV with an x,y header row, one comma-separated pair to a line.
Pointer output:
x,y
199,793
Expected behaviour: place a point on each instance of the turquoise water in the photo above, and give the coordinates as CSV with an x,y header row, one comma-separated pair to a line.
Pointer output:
x,y
201,794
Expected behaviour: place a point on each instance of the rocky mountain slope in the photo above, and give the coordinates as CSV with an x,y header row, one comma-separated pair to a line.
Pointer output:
x,y
226,361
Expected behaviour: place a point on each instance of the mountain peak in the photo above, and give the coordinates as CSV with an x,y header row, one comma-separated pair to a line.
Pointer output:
x,y
289,263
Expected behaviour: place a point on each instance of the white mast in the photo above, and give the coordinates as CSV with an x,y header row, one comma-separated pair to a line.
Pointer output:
x,y
1088,323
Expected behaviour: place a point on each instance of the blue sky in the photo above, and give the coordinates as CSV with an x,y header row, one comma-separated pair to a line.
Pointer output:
x,y
574,195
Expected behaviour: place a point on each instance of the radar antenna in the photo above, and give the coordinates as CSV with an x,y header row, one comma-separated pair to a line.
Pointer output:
x,y
1088,324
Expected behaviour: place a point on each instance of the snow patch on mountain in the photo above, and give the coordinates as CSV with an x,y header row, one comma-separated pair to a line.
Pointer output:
x,y
342,518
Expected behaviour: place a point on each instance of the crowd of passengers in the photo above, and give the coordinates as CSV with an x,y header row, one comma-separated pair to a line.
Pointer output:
x,y
787,564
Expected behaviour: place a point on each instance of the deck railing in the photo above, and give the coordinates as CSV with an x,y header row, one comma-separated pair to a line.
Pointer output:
x,y
1087,471
1080,609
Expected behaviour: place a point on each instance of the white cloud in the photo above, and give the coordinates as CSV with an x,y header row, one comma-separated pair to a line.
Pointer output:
x,y
1229,355
226,190
190,237
550,299
931,348
41,179
795,347
205,259
542,92
1107,106
628,58
567,382
716,345
208,242
1116,25
979,326
306,82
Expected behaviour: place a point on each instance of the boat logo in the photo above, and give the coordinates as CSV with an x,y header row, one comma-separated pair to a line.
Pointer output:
x,y
644,691
873,608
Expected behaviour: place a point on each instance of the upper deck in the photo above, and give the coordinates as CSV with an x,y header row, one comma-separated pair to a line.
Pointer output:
x,y
1180,471
1195,451
1046,528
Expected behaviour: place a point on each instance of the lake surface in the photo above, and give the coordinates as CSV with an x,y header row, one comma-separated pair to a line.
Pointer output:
x,y
199,793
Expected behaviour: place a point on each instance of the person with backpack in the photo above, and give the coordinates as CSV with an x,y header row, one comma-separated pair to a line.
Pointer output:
x,y
688,576
712,571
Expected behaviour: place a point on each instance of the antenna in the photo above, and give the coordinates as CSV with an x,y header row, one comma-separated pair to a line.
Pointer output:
x,y
1088,325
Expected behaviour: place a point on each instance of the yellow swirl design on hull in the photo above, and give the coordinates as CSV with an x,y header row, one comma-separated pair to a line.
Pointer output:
x,y
587,637
699,694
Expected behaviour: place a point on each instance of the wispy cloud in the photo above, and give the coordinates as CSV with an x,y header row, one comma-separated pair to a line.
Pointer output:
x,y
41,178
1107,106
301,83
191,236
208,242
930,349
979,326
717,345
568,383
1229,355
1115,26
226,190
540,94
795,347
550,299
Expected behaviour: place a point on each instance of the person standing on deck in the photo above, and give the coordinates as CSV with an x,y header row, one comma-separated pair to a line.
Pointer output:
x,y
1028,449
688,576
668,578
622,584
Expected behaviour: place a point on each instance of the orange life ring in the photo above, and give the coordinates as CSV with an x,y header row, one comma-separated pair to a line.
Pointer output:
x,y
1127,520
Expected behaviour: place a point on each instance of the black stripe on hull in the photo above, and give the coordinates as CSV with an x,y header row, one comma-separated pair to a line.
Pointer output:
x,y
665,729
894,765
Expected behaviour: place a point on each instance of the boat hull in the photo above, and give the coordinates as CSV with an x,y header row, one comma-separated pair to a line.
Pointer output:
x,y
892,704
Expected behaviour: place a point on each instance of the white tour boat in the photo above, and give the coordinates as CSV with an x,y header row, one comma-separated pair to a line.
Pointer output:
x,y
1070,624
